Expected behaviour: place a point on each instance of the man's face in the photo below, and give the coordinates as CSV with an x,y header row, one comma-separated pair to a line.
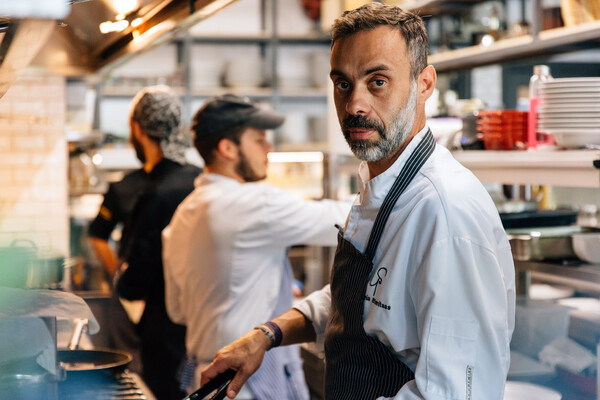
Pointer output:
x,y
375,97
253,155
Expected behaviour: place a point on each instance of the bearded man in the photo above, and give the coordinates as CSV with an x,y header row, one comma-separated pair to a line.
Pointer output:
x,y
422,297
225,250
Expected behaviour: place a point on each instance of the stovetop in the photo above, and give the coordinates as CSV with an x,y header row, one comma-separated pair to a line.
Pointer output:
x,y
100,385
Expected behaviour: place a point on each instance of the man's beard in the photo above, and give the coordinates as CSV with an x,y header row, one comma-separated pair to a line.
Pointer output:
x,y
139,150
244,169
391,139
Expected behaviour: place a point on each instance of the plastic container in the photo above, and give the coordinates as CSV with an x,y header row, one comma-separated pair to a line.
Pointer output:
x,y
541,73
503,129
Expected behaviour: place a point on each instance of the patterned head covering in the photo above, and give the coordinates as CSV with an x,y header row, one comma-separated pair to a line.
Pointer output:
x,y
158,111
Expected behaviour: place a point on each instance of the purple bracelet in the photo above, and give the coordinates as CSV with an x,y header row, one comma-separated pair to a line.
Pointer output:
x,y
276,331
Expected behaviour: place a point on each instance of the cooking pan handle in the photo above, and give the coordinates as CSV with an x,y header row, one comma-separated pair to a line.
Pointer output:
x,y
218,383
80,325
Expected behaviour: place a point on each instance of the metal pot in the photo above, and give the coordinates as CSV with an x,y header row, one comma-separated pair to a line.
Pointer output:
x,y
23,266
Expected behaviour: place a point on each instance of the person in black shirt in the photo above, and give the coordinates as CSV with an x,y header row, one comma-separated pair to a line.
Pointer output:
x,y
155,122
115,211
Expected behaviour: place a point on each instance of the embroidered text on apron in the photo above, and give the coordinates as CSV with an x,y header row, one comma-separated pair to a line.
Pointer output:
x,y
359,366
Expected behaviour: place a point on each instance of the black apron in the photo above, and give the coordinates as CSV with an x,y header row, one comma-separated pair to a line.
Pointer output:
x,y
359,366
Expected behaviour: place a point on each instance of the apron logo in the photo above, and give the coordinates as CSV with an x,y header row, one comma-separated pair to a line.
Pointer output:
x,y
375,282
378,278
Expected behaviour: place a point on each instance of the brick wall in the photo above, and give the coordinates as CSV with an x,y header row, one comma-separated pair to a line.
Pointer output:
x,y
34,163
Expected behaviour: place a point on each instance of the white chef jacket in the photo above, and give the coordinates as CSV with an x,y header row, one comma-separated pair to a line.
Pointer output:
x,y
442,292
224,252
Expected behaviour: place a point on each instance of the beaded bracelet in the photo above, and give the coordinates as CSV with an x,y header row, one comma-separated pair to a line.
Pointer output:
x,y
276,331
269,335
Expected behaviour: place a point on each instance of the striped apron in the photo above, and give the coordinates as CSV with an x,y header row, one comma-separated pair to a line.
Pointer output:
x,y
359,366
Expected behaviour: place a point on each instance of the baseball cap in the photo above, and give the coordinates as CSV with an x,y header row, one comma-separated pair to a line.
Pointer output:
x,y
222,113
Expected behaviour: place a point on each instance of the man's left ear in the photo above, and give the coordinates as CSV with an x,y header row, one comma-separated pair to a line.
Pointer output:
x,y
426,83
137,130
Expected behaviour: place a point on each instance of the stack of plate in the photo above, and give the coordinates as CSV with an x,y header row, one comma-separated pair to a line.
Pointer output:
x,y
570,111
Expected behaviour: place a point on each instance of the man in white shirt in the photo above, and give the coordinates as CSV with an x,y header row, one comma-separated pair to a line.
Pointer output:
x,y
422,298
225,249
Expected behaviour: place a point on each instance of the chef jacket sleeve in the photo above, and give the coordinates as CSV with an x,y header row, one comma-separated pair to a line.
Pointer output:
x,y
462,309
294,221
315,307
172,269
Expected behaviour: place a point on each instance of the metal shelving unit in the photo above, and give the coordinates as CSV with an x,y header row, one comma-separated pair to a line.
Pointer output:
x,y
546,42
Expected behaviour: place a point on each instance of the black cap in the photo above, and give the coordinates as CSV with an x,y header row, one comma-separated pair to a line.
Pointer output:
x,y
224,112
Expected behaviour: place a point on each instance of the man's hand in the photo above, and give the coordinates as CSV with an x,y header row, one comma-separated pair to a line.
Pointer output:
x,y
244,356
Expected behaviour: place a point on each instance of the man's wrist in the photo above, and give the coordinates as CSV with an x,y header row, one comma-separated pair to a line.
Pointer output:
x,y
266,333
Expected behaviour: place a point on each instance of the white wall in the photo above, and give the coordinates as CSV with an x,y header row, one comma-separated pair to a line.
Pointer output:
x,y
33,164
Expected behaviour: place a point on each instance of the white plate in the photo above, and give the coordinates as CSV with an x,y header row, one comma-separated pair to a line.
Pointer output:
x,y
574,103
555,120
559,91
566,126
528,391
570,108
571,139
572,81
568,96
571,114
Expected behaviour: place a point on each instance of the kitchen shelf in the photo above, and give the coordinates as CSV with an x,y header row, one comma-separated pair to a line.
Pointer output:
x,y
547,42
130,91
584,277
435,7
261,38
571,168
307,93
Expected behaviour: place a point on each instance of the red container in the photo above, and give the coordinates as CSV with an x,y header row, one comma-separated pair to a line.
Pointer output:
x,y
503,129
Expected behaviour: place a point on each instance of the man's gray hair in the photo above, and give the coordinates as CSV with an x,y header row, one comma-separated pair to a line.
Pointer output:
x,y
372,15
157,109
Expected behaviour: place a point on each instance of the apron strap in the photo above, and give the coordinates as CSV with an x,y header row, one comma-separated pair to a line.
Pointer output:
x,y
413,164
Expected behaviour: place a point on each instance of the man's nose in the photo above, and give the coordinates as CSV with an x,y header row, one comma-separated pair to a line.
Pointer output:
x,y
358,102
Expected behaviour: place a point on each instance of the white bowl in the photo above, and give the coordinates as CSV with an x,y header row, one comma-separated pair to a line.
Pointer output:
x,y
528,391
587,246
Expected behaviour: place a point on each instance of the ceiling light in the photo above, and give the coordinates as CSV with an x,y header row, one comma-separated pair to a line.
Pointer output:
x,y
136,22
125,6
118,26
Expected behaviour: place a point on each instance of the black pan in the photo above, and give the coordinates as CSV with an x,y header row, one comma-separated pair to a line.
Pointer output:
x,y
93,360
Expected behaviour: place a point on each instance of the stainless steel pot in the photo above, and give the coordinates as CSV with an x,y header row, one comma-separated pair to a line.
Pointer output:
x,y
23,266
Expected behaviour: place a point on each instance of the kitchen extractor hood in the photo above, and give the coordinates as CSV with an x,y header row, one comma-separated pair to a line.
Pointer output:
x,y
74,45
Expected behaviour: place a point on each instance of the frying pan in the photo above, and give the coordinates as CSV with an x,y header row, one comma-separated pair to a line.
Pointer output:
x,y
93,360
73,359
218,383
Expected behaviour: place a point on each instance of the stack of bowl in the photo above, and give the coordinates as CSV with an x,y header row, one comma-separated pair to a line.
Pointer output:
x,y
503,129
570,111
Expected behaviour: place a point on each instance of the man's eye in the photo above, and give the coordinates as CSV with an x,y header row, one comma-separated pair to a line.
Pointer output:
x,y
379,82
342,85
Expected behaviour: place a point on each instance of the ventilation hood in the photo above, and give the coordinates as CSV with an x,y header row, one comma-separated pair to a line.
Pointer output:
x,y
73,44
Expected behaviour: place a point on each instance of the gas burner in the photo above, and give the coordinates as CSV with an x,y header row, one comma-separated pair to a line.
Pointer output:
x,y
104,386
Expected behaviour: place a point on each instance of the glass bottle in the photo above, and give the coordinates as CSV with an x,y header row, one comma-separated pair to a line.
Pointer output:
x,y
541,73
